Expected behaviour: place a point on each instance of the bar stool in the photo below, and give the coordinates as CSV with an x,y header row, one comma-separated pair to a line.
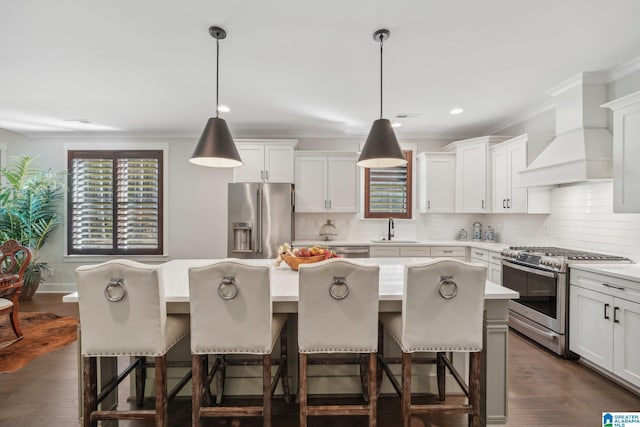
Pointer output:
x,y
123,313
442,311
338,313
231,313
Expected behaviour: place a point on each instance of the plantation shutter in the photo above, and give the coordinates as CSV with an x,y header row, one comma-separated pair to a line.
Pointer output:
x,y
115,202
388,191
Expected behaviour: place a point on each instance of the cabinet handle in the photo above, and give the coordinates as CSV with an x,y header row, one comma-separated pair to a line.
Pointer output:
x,y
447,252
266,175
615,315
262,175
329,204
483,204
428,204
606,315
495,258
504,202
508,203
620,288
479,253
325,204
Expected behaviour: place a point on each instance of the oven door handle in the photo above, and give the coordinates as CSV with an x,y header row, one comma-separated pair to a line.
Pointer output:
x,y
529,269
548,335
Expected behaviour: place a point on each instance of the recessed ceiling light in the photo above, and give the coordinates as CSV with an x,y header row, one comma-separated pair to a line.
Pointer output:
x,y
396,124
456,110
223,108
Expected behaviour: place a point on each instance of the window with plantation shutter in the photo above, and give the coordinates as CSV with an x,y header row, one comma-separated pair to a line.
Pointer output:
x,y
388,191
115,202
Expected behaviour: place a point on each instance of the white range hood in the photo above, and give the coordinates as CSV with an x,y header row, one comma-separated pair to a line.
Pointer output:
x,y
582,148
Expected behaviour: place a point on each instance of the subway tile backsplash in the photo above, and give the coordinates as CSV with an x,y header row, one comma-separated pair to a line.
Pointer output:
x,y
581,218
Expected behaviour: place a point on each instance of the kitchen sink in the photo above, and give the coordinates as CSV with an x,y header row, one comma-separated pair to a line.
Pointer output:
x,y
394,241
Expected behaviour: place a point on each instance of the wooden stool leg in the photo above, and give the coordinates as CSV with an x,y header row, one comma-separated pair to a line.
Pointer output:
x,y
364,377
89,390
302,381
406,389
284,362
220,379
373,392
196,389
141,379
266,390
161,391
380,371
15,321
207,397
474,388
441,375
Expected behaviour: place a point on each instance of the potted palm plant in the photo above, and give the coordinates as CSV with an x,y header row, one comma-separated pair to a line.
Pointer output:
x,y
29,212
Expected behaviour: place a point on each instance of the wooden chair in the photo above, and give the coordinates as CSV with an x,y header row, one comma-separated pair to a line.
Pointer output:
x,y
14,259
338,313
123,313
442,312
231,314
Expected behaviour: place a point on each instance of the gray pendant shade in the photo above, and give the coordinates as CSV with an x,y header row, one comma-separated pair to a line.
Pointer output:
x,y
216,147
381,149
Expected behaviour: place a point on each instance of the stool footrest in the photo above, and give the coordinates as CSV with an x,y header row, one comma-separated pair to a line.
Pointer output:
x,y
143,414
442,409
231,411
338,410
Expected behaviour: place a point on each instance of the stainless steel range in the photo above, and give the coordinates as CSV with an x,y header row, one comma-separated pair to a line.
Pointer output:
x,y
540,275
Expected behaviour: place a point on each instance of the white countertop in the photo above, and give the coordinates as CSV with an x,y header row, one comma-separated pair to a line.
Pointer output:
x,y
622,271
496,247
284,281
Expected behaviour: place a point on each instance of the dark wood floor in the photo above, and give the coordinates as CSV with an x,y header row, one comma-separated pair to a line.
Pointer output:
x,y
544,390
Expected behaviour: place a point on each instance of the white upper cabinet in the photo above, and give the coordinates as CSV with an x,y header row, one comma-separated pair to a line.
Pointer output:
x,y
626,152
507,160
436,174
326,182
473,173
265,161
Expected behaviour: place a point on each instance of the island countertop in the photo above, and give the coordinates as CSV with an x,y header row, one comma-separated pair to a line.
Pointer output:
x,y
284,280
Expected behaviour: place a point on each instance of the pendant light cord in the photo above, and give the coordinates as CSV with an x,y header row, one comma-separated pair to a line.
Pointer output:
x,y
381,43
217,71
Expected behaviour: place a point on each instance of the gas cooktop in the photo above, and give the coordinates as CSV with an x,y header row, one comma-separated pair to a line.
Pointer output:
x,y
554,258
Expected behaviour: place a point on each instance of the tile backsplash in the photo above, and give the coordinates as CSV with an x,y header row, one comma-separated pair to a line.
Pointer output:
x,y
581,217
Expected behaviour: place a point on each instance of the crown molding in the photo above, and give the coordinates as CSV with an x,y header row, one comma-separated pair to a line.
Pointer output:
x,y
624,69
519,118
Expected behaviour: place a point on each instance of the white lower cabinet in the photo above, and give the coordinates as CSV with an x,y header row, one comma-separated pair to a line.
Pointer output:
x,y
604,320
455,252
384,251
494,272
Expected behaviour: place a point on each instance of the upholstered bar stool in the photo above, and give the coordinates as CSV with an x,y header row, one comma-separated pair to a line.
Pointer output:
x,y
14,259
231,314
442,312
338,313
123,313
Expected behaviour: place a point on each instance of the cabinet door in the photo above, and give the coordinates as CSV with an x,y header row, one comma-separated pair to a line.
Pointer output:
x,y
500,179
421,184
311,184
517,196
590,326
278,164
494,273
440,176
342,184
252,170
626,156
471,178
626,340
384,251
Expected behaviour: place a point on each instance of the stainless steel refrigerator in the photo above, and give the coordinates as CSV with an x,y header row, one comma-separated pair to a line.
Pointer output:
x,y
260,219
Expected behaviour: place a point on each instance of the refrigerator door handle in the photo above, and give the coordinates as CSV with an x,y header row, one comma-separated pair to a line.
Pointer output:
x,y
259,222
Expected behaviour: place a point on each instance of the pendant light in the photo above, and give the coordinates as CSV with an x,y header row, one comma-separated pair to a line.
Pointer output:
x,y
216,147
381,149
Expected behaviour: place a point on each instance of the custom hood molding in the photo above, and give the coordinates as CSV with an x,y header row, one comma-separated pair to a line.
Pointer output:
x,y
582,148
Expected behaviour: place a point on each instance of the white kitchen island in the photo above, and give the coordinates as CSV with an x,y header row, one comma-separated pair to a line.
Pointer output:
x,y
284,283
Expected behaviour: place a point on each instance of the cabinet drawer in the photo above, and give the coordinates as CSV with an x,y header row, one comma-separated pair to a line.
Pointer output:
x,y
383,251
495,258
479,254
414,251
609,285
448,251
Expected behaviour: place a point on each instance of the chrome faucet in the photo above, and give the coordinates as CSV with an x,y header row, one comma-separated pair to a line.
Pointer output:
x,y
390,229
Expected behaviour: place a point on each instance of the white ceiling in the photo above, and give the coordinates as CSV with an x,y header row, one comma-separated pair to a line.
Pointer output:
x,y
297,68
